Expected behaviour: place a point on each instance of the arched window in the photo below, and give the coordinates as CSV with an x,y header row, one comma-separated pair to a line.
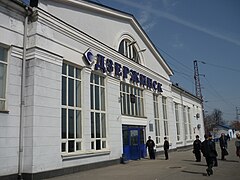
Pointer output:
x,y
128,49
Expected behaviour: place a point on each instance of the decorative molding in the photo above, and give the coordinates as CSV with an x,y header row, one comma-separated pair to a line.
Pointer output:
x,y
44,55
84,155
17,52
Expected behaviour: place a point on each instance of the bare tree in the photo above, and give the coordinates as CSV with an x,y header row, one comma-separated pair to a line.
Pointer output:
x,y
212,120
217,116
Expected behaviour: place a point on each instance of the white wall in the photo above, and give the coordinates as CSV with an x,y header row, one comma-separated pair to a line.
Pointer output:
x,y
9,122
184,99
43,112
11,37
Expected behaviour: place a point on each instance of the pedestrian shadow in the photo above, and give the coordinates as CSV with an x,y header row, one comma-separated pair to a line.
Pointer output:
x,y
192,172
228,161
188,160
198,164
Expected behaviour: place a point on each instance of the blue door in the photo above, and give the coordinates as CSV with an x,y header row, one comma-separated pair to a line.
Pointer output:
x,y
133,142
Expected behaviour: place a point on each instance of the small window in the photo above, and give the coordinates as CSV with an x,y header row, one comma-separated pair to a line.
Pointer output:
x,y
128,49
151,127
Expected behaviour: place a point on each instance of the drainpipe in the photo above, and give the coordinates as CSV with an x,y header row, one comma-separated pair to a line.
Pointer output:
x,y
21,126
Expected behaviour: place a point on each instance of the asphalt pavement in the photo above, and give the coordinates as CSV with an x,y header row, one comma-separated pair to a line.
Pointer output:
x,y
180,166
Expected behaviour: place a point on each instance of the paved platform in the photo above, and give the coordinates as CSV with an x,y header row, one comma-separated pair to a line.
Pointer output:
x,y
180,166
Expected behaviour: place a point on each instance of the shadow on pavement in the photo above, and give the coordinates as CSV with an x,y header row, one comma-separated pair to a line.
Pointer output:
x,y
188,160
192,172
199,164
229,161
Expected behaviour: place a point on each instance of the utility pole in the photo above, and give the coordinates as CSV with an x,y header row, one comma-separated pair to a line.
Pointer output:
x,y
198,89
237,113
197,81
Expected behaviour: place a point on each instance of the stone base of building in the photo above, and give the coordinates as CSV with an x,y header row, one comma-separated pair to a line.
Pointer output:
x,y
60,172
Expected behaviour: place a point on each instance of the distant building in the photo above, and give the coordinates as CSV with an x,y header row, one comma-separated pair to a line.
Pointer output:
x,y
219,129
81,85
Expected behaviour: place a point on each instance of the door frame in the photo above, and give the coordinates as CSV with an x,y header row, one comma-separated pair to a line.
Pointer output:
x,y
140,152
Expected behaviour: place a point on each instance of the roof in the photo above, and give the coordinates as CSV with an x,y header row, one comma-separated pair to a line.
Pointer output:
x,y
103,9
185,91
224,126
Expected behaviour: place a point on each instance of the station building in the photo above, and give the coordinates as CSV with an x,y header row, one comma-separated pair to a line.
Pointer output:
x,y
81,86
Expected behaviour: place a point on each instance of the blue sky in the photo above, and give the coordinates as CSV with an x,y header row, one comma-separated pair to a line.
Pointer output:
x,y
188,30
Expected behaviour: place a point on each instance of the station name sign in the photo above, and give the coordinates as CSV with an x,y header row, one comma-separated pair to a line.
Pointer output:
x,y
108,66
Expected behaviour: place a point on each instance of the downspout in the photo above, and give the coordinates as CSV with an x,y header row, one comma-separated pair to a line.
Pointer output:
x,y
21,126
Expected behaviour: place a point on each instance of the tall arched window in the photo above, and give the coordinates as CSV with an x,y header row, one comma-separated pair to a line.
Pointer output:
x,y
128,49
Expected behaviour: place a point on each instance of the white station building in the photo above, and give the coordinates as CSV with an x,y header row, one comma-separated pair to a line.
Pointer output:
x,y
82,85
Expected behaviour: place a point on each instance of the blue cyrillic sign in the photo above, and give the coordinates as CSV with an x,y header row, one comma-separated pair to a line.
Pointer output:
x,y
109,67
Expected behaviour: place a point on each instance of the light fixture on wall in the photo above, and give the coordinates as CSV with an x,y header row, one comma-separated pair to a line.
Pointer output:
x,y
142,50
131,43
197,115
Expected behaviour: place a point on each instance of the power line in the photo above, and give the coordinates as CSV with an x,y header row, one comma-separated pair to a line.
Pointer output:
x,y
217,100
173,58
218,94
185,74
222,67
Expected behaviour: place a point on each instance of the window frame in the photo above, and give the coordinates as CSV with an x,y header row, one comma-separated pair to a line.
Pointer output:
x,y
185,120
4,62
131,109
98,115
165,116
157,118
189,122
129,50
178,127
76,108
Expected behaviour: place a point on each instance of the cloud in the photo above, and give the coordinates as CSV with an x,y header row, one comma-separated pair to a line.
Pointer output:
x,y
146,19
168,4
154,12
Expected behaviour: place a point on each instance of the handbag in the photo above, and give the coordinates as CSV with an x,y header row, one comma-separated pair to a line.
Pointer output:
x,y
225,152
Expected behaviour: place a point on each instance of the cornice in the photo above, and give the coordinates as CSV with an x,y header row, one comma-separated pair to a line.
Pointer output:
x,y
38,53
186,93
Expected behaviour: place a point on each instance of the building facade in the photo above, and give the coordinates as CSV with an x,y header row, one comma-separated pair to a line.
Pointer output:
x,y
82,84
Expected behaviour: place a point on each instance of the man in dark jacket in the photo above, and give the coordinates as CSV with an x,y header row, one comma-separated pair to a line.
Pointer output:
x,y
150,145
223,145
209,152
197,149
166,147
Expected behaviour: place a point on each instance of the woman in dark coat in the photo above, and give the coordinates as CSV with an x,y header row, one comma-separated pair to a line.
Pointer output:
x,y
223,145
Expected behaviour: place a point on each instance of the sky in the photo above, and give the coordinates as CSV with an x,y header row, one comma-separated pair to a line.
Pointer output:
x,y
204,30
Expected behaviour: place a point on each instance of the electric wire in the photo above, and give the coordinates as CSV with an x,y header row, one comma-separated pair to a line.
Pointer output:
x,y
222,67
218,94
173,58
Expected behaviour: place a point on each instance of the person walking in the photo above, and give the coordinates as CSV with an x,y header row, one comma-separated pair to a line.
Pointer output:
x,y
209,152
166,147
150,145
197,149
223,146
237,144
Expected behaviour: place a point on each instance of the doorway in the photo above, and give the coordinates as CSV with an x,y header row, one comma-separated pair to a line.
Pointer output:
x,y
134,142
